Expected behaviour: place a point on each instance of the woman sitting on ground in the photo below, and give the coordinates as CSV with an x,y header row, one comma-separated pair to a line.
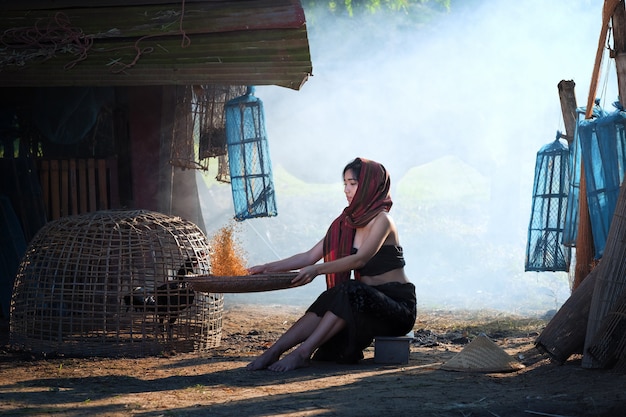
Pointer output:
x,y
379,301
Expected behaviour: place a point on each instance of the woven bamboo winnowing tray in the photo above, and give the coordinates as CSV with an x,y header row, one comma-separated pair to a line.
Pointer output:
x,y
241,284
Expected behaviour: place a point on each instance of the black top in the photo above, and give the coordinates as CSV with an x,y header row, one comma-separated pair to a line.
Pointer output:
x,y
388,258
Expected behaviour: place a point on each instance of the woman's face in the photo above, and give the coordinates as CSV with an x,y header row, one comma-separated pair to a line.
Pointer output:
x,y
350,185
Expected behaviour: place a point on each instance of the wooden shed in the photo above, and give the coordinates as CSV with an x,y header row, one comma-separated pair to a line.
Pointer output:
x,y
97,100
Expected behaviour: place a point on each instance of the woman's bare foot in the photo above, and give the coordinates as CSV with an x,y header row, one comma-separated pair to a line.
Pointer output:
x,y
293,360
266,359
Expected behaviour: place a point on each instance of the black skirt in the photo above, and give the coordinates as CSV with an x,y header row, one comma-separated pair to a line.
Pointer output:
x,y
369,311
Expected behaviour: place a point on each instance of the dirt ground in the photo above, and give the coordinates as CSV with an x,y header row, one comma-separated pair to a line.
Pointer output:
x,y
216,383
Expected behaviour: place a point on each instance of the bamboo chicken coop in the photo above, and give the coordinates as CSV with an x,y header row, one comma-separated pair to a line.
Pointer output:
x,y
111,283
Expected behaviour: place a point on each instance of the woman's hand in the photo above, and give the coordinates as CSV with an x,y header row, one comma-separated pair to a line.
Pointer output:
x,y
257,269
305,275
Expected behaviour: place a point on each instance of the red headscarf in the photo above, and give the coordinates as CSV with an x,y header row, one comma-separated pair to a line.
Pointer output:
x,y
372,196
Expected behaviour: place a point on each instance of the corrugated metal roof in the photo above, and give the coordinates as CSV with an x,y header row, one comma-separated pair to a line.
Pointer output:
x,y
241,42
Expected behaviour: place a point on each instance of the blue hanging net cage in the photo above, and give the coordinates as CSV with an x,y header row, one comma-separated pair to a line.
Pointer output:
x,y
603,153
249,158
570,232
544,251
570,227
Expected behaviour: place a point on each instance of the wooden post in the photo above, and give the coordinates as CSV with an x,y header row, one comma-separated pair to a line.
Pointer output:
x,y
608,10
619,48
567,96
584,240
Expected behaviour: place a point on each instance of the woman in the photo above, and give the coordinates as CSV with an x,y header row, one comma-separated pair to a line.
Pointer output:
x,y
380,301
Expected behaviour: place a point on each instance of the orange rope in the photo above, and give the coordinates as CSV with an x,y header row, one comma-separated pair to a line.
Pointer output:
x,y
42,42
185,42
58,36
607,12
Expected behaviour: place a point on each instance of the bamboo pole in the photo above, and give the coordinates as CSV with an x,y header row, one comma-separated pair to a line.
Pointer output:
x,y
607,12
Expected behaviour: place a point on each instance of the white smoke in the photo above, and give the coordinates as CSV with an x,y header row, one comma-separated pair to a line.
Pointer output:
x,y
479,87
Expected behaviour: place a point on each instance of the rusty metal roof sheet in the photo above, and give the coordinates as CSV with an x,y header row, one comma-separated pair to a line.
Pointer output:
x,y
157,42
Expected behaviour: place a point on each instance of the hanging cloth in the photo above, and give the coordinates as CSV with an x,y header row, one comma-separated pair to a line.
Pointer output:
x,y
372,197
544,251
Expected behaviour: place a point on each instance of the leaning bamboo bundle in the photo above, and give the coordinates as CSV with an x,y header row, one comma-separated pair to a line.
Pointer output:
x,y
609,345
565,333
620,365
611,281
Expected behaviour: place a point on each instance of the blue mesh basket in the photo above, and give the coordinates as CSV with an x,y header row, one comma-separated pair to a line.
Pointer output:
x,y
570,232
544,250
603,152
570,227
249,158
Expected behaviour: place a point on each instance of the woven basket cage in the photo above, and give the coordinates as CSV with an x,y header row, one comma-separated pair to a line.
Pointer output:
x,y
111,283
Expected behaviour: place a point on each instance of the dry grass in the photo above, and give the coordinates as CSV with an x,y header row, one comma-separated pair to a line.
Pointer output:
x,y
474,322
226,253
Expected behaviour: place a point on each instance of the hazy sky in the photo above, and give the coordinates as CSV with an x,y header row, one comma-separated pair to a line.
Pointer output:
x,y
480,85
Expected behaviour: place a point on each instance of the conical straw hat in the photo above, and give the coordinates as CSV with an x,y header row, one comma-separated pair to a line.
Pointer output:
x,y
482,355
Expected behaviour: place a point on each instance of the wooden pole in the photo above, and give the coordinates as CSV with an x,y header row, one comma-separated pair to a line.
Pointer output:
x,y
607,12
619,49
567,95
584,240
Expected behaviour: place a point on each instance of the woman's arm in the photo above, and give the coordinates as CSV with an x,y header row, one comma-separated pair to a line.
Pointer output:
x,y
376,233
294,262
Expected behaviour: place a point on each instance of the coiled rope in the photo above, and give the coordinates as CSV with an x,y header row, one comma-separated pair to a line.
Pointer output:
x,y
45,41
